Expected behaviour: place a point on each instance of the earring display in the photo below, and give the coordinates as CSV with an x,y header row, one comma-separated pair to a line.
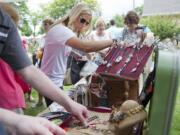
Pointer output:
x,y
126,61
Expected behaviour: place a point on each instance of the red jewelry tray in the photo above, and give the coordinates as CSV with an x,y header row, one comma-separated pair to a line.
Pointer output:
x,y
139,55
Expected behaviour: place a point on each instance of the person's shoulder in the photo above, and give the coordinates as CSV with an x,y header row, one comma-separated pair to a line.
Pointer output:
x,y
5,19
145,28
60,28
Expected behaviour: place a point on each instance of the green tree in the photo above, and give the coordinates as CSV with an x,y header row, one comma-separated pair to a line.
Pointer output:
x,y
58,8
24,13
25,28
119,20
162,26
139,10
35,19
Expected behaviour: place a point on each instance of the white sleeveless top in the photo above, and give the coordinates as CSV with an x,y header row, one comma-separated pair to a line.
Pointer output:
x,y
96,37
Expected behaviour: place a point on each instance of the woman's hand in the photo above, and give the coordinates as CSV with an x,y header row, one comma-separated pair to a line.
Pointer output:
x,y
27,125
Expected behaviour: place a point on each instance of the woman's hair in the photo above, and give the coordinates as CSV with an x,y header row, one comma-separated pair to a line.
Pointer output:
x,y
99,21
131,18
11,11
50,21
75,12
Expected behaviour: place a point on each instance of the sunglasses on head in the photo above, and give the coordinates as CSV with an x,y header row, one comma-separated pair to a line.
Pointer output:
x,y
83,21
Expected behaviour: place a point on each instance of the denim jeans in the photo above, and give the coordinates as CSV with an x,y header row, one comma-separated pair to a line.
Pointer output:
x,y
2,130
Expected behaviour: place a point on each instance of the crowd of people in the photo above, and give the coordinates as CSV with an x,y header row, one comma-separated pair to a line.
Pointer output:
x,y
65,43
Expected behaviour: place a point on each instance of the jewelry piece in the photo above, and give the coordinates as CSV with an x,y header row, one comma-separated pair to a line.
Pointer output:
x,y
104,62
116,53
139,60
120,57
92,118
112,56
127,60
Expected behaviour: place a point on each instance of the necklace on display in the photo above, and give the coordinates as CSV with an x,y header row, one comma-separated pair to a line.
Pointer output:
x,y
127,60
139,60
108,64
120,57
155,42
116,53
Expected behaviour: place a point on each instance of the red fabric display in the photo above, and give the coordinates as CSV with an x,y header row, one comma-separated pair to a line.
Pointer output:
x,y
126,62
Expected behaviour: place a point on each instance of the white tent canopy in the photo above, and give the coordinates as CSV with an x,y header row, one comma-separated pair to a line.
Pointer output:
x,y
161,7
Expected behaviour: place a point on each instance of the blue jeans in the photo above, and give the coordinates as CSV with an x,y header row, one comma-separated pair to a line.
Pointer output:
x,y
2,130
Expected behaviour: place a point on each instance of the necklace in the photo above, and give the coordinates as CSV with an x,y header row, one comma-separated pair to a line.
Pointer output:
x,y
128,59
118,56
140,60
106,62
110,63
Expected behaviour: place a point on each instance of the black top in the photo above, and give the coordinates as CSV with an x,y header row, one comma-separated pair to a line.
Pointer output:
x,y
11,50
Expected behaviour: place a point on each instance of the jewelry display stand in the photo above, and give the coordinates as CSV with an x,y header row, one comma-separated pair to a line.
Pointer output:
x,y
125,62
120,72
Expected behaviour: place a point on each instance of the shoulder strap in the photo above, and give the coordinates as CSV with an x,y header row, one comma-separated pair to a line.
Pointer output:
x,y
124,33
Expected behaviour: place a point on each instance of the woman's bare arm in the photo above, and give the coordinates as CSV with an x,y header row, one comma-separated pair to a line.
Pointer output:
x,y
87,45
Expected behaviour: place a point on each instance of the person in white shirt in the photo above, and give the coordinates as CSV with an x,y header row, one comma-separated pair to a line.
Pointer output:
x,y
62,37
114,30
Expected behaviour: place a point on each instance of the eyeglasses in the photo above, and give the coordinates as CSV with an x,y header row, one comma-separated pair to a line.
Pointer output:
x,y
83,21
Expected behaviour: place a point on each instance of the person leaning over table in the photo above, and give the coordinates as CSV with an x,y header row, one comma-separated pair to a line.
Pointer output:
x,y
62,37
11,51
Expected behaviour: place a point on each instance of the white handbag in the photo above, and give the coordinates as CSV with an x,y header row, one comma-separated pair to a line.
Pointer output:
x,y
89,68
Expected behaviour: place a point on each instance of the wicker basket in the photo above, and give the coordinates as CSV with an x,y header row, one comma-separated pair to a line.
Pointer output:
x,y
118,90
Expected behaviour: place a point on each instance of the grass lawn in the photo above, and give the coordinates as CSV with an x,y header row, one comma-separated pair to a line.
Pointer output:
x,y
32,109
175,130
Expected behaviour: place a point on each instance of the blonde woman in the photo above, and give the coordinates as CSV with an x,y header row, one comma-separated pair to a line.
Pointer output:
x,y
62,37
98,35
100,32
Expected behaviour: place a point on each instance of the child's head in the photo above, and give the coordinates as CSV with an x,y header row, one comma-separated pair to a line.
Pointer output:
x,y
131,20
